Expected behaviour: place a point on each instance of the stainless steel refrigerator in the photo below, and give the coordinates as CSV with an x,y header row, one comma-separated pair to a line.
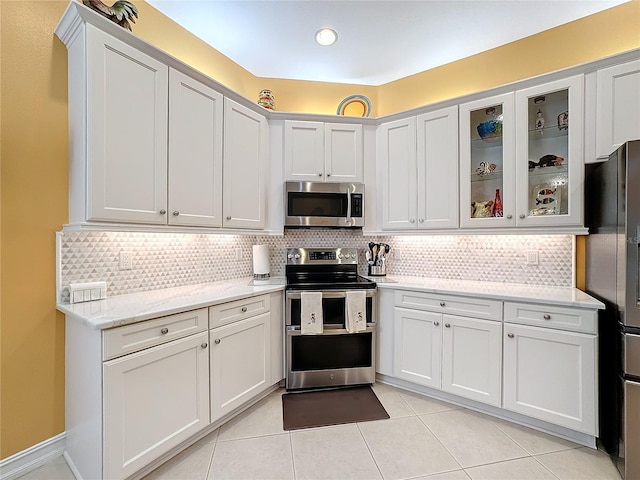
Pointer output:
x,y
612,213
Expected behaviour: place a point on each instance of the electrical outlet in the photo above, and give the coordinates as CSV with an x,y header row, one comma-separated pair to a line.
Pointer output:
x,y
238,254
126,261
397,253
532,257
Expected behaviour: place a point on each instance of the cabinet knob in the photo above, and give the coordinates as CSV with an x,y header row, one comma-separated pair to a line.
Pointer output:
x,y
435,324
216,341
447,325
176,213
228,217
163,212
522,215
244,309
319,174
546,316
204,345
421,220
412,220
510,335
328,174
509,216
164,331
442,304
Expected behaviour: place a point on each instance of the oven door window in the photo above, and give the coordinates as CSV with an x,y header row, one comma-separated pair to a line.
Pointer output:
x,y
328,352
317,204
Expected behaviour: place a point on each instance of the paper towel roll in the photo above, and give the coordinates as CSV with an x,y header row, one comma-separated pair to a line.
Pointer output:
x,y
261,261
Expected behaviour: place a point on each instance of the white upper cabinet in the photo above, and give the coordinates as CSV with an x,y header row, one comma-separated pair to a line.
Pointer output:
x,y
118,126
195,152
245,162
437,167
549,153
617,107
487,167
323,152
521,157
418,171
396,151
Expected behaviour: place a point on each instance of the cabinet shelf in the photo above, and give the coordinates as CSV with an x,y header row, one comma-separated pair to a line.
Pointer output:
x,y
540,172
487,177
551,131
482,143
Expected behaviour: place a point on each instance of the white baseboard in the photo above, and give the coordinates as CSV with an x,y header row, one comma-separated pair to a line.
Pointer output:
x,y
33,457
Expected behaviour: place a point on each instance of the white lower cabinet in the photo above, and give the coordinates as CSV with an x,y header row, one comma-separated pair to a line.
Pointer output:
x,y
239,363
417,346
550,375
154,400
472,358
457,354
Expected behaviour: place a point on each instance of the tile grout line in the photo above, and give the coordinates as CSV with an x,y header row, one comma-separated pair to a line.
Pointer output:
x,y
369,449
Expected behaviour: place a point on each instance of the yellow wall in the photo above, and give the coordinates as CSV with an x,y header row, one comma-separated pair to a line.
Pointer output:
x,y
33,153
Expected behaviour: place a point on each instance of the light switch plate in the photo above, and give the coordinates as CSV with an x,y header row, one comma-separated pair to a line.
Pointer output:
x,y
87,292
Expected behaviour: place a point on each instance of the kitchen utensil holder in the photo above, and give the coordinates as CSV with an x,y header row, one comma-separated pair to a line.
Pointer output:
x,y
377,270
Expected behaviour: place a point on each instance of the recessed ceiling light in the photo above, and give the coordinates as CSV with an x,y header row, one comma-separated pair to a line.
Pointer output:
x,y
326,36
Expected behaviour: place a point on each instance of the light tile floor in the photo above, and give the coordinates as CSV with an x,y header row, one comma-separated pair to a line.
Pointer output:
x,y
423,439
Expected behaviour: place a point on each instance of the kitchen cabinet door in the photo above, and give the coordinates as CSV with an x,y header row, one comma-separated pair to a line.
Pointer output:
x,y
153,400
487,166
549,153
472,358
396,151
125,117
240,363
437,168
617,107
343,155
195,153
304,151
245,163
417,346
550,375
384,335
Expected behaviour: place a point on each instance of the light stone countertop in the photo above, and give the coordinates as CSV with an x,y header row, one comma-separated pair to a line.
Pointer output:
x,y
137,307
508,292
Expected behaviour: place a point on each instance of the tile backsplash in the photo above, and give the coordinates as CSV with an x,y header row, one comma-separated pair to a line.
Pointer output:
x,y
162,260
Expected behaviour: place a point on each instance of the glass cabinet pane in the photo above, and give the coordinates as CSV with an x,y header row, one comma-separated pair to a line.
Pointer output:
x,y
487,162
548,154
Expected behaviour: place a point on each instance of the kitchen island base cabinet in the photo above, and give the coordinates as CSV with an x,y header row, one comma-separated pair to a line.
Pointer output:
x,y
550,375
154,400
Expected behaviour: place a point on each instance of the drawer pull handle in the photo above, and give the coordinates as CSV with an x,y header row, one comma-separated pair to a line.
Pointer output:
x,y
546,316
442,304
163,212
510,335
448,325
217,341
164,331
244,309
435,324
204,345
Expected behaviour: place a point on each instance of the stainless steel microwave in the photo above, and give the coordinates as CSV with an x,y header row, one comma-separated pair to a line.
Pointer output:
x,y
316,204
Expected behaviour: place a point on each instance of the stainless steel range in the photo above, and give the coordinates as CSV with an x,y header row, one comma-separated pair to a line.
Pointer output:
x,y
333,354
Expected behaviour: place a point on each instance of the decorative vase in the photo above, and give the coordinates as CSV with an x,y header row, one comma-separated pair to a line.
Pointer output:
x,y
266,99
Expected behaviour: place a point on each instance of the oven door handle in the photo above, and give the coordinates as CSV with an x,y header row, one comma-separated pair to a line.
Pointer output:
x,y
296,331
295,294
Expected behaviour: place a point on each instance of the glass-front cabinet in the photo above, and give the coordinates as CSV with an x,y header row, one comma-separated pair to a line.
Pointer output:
x,y
487,167
521,157
549,153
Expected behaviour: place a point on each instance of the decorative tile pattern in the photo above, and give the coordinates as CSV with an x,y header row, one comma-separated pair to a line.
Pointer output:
x,y
162,260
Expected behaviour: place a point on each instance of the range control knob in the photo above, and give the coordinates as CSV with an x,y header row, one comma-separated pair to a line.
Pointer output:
x,y
296,256
290,256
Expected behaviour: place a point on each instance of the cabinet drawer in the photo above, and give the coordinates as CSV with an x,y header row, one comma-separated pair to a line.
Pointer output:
x,y
230,312
561,318
131,338
450,304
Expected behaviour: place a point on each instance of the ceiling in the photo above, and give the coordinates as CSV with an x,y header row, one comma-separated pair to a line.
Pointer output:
x,y
378,41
